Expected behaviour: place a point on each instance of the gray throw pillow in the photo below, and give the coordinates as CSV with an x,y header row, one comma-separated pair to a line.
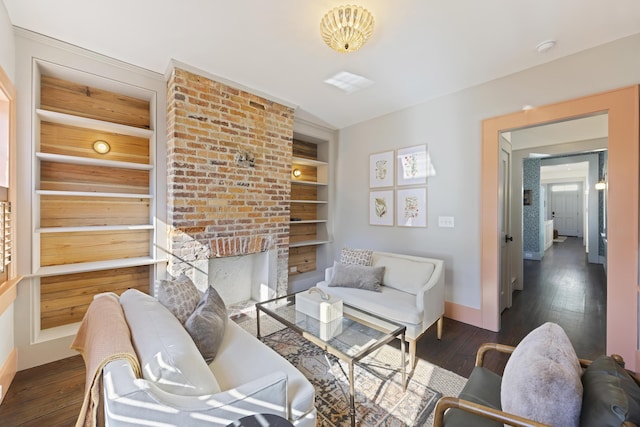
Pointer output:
x,y
180,296
357,276
207,324
541,380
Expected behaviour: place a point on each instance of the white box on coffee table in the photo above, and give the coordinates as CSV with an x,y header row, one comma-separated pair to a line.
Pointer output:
x,y
319,305
325,330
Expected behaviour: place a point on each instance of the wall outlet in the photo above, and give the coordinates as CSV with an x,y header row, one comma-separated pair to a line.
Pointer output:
x,y
293,269
445,221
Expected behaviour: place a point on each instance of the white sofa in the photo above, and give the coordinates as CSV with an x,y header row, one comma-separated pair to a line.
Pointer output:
x,y
179,388
412,293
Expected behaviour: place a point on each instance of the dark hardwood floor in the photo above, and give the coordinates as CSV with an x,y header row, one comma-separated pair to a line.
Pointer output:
x,y
562,289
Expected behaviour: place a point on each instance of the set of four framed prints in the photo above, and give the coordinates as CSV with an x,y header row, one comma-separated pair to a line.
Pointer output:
x,y
390,203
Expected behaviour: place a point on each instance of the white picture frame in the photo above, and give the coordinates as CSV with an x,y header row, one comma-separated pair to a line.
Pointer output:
x,y
412,165
381,208
411,207
381,169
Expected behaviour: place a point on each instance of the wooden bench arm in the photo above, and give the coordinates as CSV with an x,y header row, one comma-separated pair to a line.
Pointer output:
x,y
483,411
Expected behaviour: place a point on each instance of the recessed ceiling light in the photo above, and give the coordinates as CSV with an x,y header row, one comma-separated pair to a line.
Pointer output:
x,y
349,82
527,107
544,46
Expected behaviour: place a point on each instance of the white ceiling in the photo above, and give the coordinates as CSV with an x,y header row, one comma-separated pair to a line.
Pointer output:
x,y
420,49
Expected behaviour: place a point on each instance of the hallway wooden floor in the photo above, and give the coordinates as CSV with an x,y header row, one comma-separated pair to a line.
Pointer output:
x,y
562,289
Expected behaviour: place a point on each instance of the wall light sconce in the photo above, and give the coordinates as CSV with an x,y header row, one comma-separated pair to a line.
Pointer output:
x,y
101,147
601,185
297,173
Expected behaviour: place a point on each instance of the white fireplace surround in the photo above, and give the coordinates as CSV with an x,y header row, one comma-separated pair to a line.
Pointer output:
x,y
240,279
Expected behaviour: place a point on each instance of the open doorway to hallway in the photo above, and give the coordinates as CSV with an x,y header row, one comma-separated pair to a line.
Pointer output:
x,y
557,259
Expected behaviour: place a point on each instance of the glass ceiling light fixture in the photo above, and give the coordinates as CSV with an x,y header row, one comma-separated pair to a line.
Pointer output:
x,y
346,28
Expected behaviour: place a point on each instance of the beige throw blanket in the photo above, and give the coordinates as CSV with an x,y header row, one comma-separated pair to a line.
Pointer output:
x,y
103,336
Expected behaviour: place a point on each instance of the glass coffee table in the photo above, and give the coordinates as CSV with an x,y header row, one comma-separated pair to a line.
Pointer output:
x,y
347,338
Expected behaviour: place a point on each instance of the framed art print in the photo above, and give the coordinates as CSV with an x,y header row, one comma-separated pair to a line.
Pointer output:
x,y
412,165
411,207
381,207
381,169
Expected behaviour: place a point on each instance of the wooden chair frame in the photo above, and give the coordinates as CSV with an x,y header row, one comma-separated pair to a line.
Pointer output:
x,y
449,402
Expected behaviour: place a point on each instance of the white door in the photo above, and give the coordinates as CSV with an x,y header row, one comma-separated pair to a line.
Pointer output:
x,y
504,200
566,209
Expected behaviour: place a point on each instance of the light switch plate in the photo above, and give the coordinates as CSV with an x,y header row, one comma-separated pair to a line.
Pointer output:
x,y
445,221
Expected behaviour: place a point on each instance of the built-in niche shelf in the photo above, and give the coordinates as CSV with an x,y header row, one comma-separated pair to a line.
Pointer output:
x,y
93,212
309,204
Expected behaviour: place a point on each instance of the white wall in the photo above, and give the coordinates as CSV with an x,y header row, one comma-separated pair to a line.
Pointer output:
x,y
7,44
7,62
451,126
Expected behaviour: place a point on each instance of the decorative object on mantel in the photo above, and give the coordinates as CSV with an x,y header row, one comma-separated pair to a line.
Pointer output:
x,y
245,159
412,207
346,28
381,169
381,207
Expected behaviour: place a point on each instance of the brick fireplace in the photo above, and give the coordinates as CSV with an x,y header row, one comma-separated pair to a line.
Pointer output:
x,y
228,178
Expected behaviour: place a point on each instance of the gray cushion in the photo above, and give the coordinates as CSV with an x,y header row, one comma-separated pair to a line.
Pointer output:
x,y
541,380
483,388
357,276
356,256
610,397
180,296
207,323
167,354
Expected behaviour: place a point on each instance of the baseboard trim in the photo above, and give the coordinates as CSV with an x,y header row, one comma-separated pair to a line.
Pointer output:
x,y
462,313
8,372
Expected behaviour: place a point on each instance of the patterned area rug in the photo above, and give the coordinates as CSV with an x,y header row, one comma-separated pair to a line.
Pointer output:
x,y
380,400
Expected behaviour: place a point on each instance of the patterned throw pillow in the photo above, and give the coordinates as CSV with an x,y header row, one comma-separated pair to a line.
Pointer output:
x,y
180,296
356,256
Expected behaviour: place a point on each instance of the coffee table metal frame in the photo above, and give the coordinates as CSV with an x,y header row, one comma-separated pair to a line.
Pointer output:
x,y
283,310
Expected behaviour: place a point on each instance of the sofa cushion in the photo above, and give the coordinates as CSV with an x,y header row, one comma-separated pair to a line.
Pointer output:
x,y
402,273
243,358
180,296
541,379
389,303
167,354
610,396
357,276
356,256
207,323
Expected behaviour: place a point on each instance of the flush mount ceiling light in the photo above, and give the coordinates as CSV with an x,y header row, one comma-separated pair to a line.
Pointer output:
x,y
545,46
346,28
101,147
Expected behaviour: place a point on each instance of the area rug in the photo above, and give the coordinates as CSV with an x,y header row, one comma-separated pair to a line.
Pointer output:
x,y
560,239
380,400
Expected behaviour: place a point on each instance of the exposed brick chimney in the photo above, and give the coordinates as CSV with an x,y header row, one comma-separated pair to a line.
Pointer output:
x,y
228,167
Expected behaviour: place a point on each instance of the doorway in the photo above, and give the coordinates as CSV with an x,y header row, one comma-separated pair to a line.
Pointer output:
x,y
622,268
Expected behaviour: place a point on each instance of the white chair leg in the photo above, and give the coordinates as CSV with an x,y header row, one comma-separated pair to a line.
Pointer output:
x,y
440,323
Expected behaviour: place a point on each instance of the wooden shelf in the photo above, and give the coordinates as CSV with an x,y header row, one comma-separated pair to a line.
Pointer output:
x,y
94,228
308,221
310,201
57,270
92,194
60,158
307,162
301,182
308,243
100,125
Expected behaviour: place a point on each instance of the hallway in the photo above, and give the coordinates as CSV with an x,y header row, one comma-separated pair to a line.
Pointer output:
x,y
564,289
